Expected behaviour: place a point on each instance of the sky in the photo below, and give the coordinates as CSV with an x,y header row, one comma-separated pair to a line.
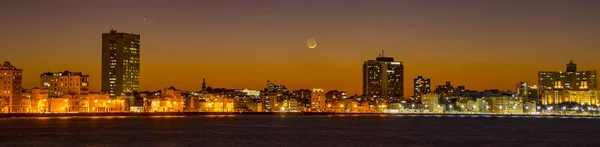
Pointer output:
x,y
490,44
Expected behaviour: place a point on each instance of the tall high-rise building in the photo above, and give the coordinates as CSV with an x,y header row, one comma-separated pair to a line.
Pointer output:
x,y
383,78
421,86
120,63
10,88
64,83
317,98
571,79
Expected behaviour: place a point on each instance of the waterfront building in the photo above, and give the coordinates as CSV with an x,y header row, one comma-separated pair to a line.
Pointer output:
x,y
335,106
581,97
446,93
39,100
303,97
271,101
527,93
478,105
171,100
64,83
351,106
289,105
10,89
571,79
335,95
120,63
383,78
317,98
98,102
530,107
254,107
504,105
421,86
430,102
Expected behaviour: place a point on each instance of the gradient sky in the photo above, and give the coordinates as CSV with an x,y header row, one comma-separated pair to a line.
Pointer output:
x,y
491,44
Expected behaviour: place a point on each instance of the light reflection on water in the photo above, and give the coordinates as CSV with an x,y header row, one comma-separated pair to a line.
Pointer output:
x,y
288,130
168,116
328,116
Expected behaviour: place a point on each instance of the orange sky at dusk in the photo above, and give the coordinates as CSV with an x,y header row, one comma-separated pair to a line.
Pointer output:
x,y
238,44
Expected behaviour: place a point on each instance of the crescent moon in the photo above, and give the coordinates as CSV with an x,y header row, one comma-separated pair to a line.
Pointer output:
x,y
311,43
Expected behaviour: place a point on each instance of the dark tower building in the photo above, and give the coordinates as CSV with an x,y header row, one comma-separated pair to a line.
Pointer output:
x,y
203,84
571,67
120,63
383,78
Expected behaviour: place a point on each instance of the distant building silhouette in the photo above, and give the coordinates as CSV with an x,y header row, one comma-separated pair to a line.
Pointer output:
x,y
383,78
272,87
203,84
120,63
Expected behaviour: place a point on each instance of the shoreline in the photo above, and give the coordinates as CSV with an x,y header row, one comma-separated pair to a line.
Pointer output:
x,y
149,114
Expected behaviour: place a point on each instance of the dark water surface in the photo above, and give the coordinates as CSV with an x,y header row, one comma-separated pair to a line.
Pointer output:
x,y
298,130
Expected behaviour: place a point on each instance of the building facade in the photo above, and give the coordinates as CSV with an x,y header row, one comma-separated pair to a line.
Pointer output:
x,y
383,78
10,88
335,95
504,105
421,86
581,97
317,98
430,102
571,79
446,93
64,83
527,93
120,63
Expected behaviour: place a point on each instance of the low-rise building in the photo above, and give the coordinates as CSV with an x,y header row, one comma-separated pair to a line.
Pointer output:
x,y
505,105
64,83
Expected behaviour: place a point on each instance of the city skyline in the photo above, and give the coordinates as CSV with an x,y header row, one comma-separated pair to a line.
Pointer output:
x,y
72,44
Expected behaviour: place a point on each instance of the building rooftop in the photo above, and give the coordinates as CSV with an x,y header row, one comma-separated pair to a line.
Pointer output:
x,y
7,66
64,73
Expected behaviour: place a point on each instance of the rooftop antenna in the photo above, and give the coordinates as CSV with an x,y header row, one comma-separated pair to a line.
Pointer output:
x,y
112,29
382,53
